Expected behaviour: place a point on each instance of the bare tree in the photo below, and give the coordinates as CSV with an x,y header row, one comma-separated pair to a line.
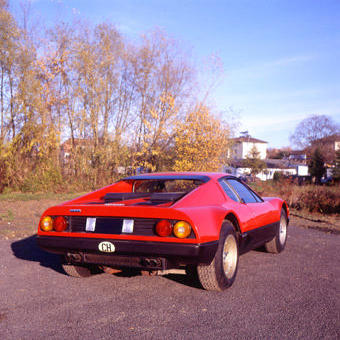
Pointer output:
x,y
162,80
313,128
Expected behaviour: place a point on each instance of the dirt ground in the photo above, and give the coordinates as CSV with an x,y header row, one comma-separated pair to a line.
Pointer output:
x,y
20,219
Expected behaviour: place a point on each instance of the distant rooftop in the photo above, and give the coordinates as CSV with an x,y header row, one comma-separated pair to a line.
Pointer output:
x,y
248,140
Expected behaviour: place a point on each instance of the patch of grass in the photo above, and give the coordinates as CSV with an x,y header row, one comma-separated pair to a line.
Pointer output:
x,y
7,216
22,196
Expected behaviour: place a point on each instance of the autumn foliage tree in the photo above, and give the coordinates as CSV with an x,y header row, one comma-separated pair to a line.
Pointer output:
x,y
81,106
201,142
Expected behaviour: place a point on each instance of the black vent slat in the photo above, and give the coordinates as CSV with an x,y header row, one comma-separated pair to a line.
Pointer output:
x,y
77,223
113,225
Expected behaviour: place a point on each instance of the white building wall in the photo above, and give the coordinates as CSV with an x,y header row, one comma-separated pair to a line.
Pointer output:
x,y
337,146
263,175
240,150
237,151
302,170
260,147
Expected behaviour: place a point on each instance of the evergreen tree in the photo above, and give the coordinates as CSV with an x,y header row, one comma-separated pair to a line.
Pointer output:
x,y
254,162
336,171
316,165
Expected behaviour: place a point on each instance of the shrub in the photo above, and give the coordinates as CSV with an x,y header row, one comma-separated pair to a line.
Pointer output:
x,y
313,198
277,176
48,180
325,200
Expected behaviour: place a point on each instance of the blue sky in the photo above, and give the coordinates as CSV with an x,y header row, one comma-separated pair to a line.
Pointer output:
x,y
281,58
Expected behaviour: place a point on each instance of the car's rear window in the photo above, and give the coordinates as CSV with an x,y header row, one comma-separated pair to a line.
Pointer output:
x,y
166,185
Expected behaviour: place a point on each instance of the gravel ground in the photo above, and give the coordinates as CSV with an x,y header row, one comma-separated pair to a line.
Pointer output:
x,y
293,295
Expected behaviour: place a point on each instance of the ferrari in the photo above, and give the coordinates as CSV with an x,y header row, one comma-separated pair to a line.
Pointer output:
x,y
163,222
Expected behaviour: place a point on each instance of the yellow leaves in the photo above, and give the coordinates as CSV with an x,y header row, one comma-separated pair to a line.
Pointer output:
x,y
201,142
125,101
154,115
167,98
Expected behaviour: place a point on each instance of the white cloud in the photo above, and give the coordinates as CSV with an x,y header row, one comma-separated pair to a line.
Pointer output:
x,y
289,60
265,96
266,68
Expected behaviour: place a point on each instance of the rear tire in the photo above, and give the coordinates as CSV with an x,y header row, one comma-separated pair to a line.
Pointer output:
x,y
76,271
278,243
221,272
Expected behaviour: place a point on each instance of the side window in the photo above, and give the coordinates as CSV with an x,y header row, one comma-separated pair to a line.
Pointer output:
x,y
243,191
228,190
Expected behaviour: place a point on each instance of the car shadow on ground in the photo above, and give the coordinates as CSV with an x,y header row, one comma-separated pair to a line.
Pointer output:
x,y
186,280
28,250
261,249
190,279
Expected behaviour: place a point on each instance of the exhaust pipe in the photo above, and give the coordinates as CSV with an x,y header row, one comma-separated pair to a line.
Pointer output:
x,y
74,257
152,263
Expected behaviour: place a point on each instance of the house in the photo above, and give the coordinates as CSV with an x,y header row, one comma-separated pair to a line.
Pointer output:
x,y
242,146
328,146
298,156
293,165
239,169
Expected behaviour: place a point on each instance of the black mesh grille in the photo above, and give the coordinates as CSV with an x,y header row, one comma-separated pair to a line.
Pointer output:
x,y
77,223
113,225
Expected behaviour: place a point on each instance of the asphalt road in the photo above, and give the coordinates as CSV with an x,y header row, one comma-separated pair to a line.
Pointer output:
x,y
294,295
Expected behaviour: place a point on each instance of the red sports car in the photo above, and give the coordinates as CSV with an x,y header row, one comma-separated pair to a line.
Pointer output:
x,y
164,221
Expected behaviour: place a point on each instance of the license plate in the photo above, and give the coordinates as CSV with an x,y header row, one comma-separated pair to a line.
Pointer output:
x,y
90,224
106,247
128,226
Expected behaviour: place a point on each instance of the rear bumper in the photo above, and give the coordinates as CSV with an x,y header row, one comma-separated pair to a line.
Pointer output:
x,y
137,254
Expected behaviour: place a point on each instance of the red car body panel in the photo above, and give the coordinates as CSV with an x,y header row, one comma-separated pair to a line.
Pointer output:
x,y
204,208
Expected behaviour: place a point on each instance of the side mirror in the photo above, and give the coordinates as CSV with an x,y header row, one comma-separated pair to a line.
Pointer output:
x,y
243,201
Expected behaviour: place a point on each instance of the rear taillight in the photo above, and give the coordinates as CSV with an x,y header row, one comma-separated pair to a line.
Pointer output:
x,y
60,223
49,223
46,223
164,228
182,229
